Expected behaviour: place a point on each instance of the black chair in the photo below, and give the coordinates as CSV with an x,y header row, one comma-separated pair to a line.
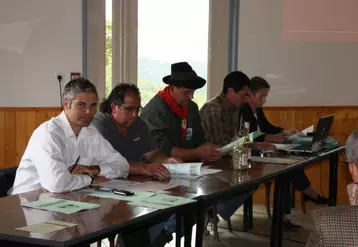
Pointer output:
x,y
7,178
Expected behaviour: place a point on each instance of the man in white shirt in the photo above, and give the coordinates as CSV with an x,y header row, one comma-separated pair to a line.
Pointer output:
x,y
67,153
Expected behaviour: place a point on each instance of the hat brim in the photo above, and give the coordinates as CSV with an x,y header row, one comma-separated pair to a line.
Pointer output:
x,y
197,83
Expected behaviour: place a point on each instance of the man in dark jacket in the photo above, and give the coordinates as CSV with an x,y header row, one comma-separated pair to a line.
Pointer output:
x,y
174,121
173,118
252,112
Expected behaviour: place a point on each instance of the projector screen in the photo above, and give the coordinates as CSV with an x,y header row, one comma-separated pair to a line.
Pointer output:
x,y
306,49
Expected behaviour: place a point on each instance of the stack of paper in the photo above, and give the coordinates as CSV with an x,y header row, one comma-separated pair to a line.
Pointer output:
x,y
184,168
302,134
189,170
61,205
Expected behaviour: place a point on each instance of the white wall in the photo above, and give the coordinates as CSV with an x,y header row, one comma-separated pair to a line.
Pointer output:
x,y
37,39
316,65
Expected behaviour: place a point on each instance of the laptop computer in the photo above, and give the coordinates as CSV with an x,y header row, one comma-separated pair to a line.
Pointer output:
x,y
321,133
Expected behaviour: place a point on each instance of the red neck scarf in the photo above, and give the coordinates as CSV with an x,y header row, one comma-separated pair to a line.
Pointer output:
x,y
182,112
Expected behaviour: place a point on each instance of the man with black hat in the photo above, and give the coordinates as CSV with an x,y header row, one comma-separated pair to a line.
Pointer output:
x,y
174,120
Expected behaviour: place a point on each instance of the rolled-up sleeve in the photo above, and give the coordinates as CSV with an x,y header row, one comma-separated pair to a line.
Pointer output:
x,y
52,169
111,162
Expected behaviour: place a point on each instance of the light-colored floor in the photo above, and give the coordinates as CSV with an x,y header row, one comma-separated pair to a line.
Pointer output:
x,y
260,235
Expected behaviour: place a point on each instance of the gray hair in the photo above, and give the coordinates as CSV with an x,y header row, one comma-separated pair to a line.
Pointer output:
x,y
352,148
78,85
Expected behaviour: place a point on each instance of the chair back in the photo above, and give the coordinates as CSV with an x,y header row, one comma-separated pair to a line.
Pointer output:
x,y
7,178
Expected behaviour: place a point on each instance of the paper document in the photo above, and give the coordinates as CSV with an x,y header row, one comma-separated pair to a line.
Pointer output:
x,y
301,134
167,200
229,147
281,161
285,146
181,181
117,184
183,176
254,135
153,186
138,195
207,171
203,171
184,168
46,227
61,205
239,142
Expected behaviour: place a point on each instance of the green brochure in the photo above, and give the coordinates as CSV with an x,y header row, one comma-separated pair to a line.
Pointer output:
x,y
61,205
46,226
167,200
254,135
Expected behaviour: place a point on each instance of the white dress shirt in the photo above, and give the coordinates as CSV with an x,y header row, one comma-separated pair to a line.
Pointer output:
x,y
53,148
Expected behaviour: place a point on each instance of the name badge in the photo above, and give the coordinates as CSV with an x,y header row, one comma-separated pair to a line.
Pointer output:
x,y
189,134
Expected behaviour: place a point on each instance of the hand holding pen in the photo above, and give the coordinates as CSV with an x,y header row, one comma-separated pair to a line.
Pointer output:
x,y
71,168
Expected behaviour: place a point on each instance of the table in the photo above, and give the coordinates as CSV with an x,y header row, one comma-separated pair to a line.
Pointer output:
x,y
116,216
229,183
111,218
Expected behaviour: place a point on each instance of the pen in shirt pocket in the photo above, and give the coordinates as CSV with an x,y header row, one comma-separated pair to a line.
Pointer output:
x,y
70,169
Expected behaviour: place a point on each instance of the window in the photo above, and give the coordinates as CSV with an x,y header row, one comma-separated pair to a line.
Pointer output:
x,y
108,47
171,31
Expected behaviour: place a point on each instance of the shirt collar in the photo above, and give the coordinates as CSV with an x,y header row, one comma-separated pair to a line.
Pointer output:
x,y
67,127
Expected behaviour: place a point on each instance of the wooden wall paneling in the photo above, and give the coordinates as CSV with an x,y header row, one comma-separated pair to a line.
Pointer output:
x,y
20,130
10,138
17,125
40,117
30,124
2,139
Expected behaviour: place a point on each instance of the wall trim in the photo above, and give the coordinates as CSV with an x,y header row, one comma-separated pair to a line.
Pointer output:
x,y
31,108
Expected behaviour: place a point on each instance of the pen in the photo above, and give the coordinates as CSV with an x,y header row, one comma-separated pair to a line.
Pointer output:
x,y
74,165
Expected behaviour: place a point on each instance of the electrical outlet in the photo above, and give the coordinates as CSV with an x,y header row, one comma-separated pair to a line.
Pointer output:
x,y
60,74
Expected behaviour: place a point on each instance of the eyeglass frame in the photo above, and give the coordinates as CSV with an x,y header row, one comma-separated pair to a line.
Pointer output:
x,y
131,109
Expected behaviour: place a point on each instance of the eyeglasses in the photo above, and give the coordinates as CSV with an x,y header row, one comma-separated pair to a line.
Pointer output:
x,y
132,108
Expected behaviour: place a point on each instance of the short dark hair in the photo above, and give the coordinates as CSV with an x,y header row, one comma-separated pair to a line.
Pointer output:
x,y
78,85
236,80
257,84
117,96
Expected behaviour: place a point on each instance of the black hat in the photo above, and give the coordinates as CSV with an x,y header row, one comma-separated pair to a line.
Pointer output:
x,y
182,75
